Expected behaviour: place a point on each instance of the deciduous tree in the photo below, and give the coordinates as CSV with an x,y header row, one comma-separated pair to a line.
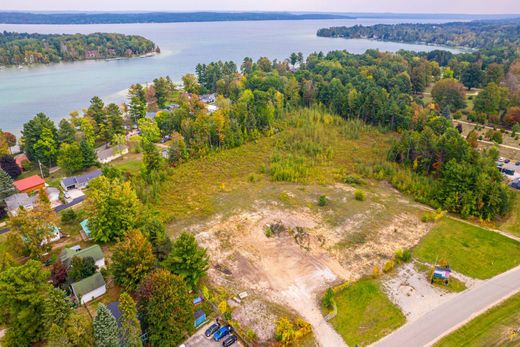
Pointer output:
x,y
132,260
112,208
23,291
130,325
167,307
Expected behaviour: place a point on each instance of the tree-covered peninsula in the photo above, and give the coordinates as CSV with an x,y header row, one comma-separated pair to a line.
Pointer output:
x,y
24,48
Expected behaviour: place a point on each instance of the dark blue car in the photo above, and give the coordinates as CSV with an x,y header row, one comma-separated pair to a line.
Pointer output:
x,y
222,332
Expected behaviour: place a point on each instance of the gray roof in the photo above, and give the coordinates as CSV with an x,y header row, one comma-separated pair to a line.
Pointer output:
x,y
21,199
105,153
83,179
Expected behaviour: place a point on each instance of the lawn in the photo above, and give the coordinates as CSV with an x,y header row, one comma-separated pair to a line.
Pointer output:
x,y
469,249
492,328
512,224
365,314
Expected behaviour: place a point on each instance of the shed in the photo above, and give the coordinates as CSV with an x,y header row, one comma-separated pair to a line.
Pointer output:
x,y
85,229
200,318
89,288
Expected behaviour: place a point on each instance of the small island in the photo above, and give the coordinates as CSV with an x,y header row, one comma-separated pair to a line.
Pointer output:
x,y
27,49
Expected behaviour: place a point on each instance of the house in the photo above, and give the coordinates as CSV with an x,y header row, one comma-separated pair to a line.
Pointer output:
x,y
94,252
151,115
89,288
79,182
20,159
85,231
29,184
208,98
15,201
106,155
55,235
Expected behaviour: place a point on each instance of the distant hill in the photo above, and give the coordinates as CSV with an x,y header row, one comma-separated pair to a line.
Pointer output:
x,y
154,17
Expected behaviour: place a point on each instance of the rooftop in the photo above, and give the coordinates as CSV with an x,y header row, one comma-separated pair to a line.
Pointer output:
x,y
93,251
21,199
105,153
28,183
88,284
82,179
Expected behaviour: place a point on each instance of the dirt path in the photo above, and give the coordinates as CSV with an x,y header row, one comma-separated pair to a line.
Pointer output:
x,y
325,334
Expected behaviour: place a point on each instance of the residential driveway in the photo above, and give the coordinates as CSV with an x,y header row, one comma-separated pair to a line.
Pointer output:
x,y
449,316
199,340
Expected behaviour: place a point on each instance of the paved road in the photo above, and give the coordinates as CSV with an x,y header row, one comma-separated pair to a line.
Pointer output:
x,y
429,328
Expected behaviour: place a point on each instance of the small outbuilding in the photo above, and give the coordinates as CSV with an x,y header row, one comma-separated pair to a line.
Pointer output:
x,y
89,288
23,200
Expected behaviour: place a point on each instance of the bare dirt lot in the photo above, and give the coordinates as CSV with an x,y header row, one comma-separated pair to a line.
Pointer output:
x,y
288,255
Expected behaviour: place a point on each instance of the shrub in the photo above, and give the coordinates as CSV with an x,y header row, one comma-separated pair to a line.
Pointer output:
x,y
253,178
359,195
389,266
68,216
328,299
289,169
427,217
251,335
353,179
322,200
376,272
268,231
403,255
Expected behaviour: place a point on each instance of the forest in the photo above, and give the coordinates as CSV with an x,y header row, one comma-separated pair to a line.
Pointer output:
x,y
380,89
492,37
24,48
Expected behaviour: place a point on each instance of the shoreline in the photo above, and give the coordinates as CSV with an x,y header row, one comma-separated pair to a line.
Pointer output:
x,y
26,65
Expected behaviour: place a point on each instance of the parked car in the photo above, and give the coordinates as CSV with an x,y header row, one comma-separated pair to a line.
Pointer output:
x,y
507,161
517,163
222,332
229,341
212,329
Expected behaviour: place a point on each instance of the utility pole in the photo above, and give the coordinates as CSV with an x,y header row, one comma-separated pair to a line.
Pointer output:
x,y
40,164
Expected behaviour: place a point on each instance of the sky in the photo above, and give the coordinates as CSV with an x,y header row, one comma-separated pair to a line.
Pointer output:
x,y
396,6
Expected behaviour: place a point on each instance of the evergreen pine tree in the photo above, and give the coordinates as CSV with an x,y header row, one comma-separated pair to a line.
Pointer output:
x,y
105,328
6,185
130,325
88,153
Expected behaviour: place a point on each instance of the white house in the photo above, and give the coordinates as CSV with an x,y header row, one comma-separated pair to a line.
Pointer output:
x,y
106,155
89,288
93,251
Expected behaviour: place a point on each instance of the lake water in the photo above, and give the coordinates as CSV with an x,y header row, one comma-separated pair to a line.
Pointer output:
x,y
58,89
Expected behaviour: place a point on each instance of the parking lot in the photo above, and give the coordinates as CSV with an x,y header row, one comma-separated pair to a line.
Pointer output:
x,y
199,340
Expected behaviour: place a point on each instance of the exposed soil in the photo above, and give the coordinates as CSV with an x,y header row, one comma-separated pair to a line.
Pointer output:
x,y
302,256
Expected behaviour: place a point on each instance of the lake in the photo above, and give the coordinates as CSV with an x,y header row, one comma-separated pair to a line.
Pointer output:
x,y
58,89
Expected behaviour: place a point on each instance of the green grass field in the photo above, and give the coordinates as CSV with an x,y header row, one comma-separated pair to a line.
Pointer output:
x,y
512,224
365,314
469,249
492,328
195,187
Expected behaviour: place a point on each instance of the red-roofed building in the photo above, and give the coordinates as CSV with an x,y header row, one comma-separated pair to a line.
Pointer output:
x,y
29,184
20,160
